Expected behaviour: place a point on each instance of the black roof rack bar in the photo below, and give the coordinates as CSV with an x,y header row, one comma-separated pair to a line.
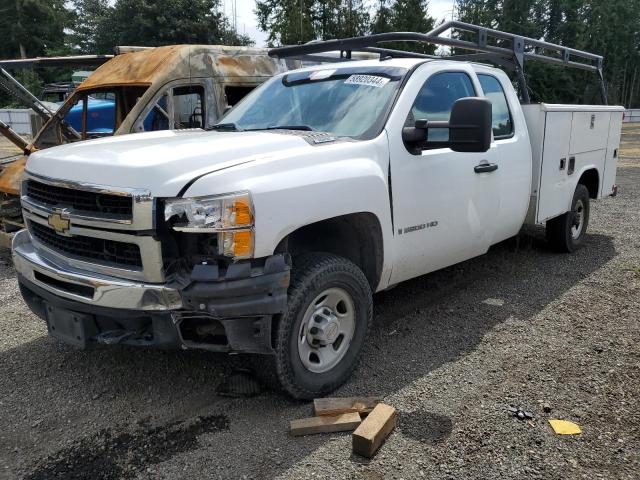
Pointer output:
x,y
71,61
510,36
390,52
520,49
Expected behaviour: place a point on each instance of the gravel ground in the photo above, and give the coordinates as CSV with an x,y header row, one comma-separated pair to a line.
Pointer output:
x,y
566,334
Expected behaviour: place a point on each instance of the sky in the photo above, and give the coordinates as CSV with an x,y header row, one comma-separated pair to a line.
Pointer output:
x,y
247,23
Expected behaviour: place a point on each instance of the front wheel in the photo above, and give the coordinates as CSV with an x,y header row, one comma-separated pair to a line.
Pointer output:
x,y
319,338
566,233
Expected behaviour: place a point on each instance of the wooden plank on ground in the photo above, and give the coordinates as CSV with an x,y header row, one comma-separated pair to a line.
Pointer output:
x,y
5,239
324,424
373,430
335,406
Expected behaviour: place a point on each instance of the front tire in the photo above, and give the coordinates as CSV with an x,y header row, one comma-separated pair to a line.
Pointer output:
x,y
320,336
566,233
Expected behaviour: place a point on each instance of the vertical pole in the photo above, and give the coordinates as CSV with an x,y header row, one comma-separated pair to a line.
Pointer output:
x,y
301,7
522,84
603,88
632,87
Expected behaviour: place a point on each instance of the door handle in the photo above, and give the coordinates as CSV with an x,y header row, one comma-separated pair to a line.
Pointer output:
x,y
485,168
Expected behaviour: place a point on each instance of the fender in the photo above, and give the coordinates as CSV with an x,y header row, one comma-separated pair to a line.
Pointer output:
x,y
333,180
578,175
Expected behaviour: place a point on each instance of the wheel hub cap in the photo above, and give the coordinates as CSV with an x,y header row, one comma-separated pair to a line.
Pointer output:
x,y
323,327
578,219
326,330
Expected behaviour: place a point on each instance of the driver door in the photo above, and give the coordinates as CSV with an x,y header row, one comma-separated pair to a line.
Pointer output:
x,y
443,208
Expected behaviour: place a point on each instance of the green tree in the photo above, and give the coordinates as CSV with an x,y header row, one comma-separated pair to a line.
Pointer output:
x,y
100,27
404,16
347,18
32,27
607,27
382,22
289,22
91,29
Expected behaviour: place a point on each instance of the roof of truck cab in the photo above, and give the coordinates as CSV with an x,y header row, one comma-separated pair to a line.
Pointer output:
x,y
390,62
407,63
144,67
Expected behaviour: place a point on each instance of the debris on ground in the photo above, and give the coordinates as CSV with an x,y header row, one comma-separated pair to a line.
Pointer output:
x,y
344,414
564,427
335,406
546,407
373,430
520,413
496,302
240,383
324,424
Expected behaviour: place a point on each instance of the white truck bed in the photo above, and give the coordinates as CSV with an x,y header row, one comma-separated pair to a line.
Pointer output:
x,y
567,140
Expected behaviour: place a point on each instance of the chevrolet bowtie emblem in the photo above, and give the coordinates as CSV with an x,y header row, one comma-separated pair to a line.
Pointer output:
x,y
58,222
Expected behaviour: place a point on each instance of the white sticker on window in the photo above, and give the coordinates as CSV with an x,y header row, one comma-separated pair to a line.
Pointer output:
x,y
367,80
321,74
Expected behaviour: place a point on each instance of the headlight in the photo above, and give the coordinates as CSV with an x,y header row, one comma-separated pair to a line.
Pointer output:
x,y
230,215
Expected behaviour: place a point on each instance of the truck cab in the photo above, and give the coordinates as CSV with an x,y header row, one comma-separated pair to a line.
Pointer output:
x,y
270,232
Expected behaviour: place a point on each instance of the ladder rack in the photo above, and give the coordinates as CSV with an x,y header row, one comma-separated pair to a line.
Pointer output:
x,y
507,50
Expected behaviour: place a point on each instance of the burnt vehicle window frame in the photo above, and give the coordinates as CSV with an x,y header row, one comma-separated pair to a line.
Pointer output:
x,y
57,120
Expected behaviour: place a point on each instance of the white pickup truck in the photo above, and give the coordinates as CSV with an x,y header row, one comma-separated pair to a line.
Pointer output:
x,y
270,232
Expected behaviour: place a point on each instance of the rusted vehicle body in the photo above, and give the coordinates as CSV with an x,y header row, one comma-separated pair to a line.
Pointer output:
x,y
172,87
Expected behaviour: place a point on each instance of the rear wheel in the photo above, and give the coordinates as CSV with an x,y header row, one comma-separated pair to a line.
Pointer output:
x,y
319,338
566,233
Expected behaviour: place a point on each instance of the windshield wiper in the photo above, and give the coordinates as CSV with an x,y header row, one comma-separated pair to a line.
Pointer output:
x,y
290,127
227,127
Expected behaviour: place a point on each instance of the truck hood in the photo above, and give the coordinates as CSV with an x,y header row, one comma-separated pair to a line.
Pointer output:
x,y
161,162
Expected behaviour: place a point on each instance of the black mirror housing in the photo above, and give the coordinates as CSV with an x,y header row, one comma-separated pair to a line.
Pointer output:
x,y
470,125
469,128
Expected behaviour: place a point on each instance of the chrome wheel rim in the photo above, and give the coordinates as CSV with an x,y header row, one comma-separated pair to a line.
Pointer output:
x,y
578,220
326,330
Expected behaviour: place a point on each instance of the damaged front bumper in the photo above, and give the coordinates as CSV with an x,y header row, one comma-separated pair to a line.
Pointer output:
x,y
225,310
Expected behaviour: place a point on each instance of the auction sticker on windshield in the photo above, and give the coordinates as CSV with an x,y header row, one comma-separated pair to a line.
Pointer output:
x,y
367,80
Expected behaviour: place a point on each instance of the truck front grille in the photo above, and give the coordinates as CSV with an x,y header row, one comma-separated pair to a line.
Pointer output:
x,y
80,200
98,250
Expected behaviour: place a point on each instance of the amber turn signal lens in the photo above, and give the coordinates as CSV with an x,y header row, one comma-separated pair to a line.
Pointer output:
x,y
242,211
237,243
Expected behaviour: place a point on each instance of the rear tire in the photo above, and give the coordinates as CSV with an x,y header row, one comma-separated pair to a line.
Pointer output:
x,y
566,233
320,336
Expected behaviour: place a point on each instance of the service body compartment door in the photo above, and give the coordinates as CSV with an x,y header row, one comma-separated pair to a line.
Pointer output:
x,y
611,160
589,131
554,181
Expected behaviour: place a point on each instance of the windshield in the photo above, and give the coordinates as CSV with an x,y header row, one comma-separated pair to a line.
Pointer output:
x,y
346,102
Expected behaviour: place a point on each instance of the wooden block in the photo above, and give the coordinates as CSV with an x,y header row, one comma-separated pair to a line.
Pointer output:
x,y
373,430
324,424
335,406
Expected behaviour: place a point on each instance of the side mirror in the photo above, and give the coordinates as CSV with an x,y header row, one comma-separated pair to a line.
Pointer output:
x,y
470,125
469,128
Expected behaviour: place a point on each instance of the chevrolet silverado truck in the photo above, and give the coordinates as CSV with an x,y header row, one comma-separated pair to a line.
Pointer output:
x,y
270,232
142,89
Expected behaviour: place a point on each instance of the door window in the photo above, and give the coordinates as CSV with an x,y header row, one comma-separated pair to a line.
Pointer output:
x,y
236,93
188,107
435,99
158,117
501,117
